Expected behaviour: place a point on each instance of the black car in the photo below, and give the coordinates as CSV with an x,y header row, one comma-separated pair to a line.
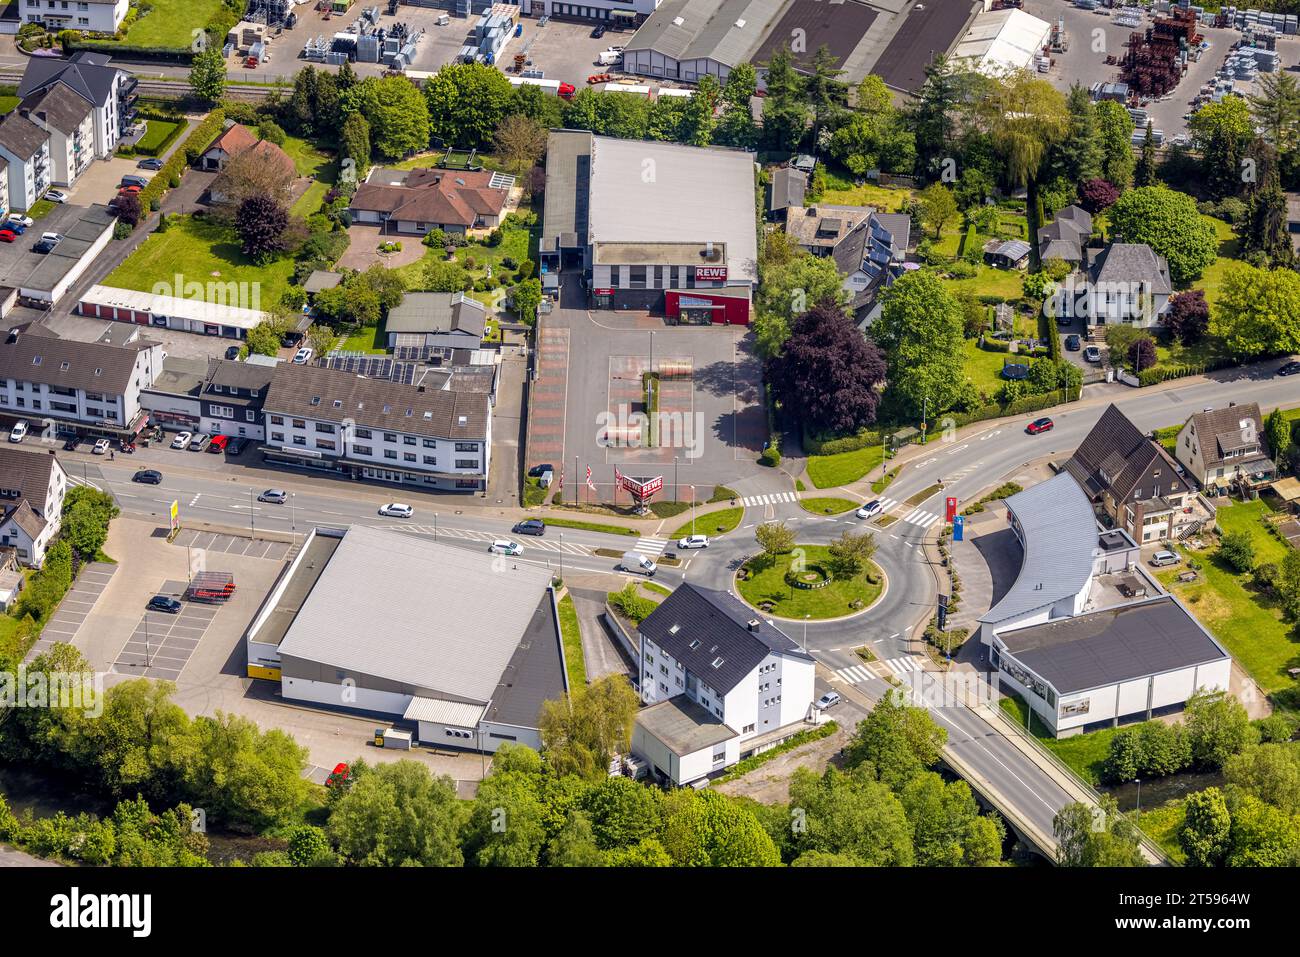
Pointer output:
x,y
1291,368
44,246
163,603
151,163
599,32
236,446
537,471
531,526
71,444
148,477
232,352
1073,343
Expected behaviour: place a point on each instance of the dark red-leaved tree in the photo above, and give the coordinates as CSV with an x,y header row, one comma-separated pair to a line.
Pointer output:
x,y
828,372
1142,354
1097,194
128,209
1188,316
261,223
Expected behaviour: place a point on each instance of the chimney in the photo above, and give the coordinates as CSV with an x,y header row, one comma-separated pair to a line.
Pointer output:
x,y
753,624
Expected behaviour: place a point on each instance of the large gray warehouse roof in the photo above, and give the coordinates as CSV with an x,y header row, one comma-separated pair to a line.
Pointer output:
x,y
1113,645
418,612
728,31
1059,532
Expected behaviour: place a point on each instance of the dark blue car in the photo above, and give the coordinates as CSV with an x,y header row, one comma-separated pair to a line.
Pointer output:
x,y
164,603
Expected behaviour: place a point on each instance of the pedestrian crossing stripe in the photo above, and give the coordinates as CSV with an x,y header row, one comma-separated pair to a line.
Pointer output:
x,y
921,517
73,480
854,674
886,504
651,546
465,534
774,498
904,666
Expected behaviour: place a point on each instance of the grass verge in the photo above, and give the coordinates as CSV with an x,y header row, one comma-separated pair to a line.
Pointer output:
x,y
842,468
592,526
571,634
767,584
712,523
758,760
827,506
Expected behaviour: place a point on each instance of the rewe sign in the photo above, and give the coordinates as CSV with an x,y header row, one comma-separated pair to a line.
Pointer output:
x,y
710,273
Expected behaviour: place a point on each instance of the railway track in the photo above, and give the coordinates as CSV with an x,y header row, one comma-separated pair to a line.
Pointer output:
x,y
178,88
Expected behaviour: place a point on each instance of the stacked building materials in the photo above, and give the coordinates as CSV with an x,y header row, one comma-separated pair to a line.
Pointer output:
x,y
1157,58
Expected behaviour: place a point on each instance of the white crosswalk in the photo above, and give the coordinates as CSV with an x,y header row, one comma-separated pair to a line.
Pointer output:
x,y
886,504
465,534
854,674
921,518
906,665
73,480
651,546
750,501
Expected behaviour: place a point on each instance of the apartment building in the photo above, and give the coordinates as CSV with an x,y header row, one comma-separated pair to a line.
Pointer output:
x,y
719,684
375,429
94,16
88,386
110,92
25,148
69,122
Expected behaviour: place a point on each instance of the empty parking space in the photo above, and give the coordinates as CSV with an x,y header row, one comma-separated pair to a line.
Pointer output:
x,y
162,643
233,545
76,605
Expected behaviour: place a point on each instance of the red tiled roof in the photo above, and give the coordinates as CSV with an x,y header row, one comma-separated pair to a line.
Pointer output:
x,y
234,140
435,196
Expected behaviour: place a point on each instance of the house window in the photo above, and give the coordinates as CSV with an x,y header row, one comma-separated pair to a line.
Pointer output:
x,y
277,436
719,756
362,433
300,440
325,444
390,436
300,423
408,456
325,427
430,444
466,463
390,454
277,420
466,446
362,450
748,729
430,460
408,440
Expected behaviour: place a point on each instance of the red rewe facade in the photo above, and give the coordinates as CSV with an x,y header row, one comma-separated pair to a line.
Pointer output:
x,y
731,310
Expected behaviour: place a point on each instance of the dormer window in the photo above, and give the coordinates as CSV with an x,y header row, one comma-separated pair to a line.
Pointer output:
x,y
36,360
717,663
65,366
215,387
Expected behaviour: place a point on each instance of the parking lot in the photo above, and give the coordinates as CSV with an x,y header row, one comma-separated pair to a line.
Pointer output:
x,y
77,604
231,545
162,643
100,182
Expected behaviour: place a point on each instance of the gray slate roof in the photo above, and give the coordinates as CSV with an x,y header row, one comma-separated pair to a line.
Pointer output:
x,y
721,623
86,74
1066,236
25,479
20,136
707,29
1131,263
432,313
1060,534
788,186
1115,456
60,107
376,403
67,363
1115,644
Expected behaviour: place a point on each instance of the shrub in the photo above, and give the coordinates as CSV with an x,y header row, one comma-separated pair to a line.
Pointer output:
x,y
771,457
1237,549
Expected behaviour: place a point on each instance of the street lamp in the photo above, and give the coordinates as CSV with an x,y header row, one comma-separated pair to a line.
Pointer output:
x,y
251,529
692,488
293,524
1138,782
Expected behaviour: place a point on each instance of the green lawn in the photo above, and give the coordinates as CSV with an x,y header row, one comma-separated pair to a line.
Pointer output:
x,y
367,340
711,523
1084,754
842,468
1229,247
310,201
309,160
515,244
591,526
827,506
202,251
40,209
171,23
1250,627
8,104
571,634
842,192
990,283
156,134
1161,824
834,601
984,367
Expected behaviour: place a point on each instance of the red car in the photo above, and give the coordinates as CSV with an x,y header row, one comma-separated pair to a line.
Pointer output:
x,y
128,190
7,235
339,777
1039,425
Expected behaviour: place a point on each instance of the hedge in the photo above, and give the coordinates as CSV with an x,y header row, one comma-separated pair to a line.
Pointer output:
x,y
847,443
1157,374
125,51
197,141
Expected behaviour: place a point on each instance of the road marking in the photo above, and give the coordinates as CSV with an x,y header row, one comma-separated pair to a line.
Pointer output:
x,y
195,499
905,666
854,674
651,546
921,518
989,435
773,498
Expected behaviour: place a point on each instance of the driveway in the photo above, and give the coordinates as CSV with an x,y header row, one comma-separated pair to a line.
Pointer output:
x,y
99,183
363,248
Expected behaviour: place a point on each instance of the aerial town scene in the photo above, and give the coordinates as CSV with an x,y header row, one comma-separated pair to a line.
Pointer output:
x,y
649,434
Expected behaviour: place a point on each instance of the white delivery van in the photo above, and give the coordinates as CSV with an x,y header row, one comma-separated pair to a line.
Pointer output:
x,y
636,562
397,739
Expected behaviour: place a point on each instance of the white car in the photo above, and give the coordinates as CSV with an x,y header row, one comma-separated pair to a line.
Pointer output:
x,y
693,541
870,510
302,356
101,447
504,546
829,700
25,221
56,196
396,510
182,440
19,431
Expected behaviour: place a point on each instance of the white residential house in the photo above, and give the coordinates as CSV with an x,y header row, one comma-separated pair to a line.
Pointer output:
x,y
110,92
718,684
1221,446
96,16
92,386
25,147
1123,283
378,429
4,186
32,487
69,122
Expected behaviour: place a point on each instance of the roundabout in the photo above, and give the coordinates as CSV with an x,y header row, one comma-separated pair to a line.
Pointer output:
x,y
802,585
